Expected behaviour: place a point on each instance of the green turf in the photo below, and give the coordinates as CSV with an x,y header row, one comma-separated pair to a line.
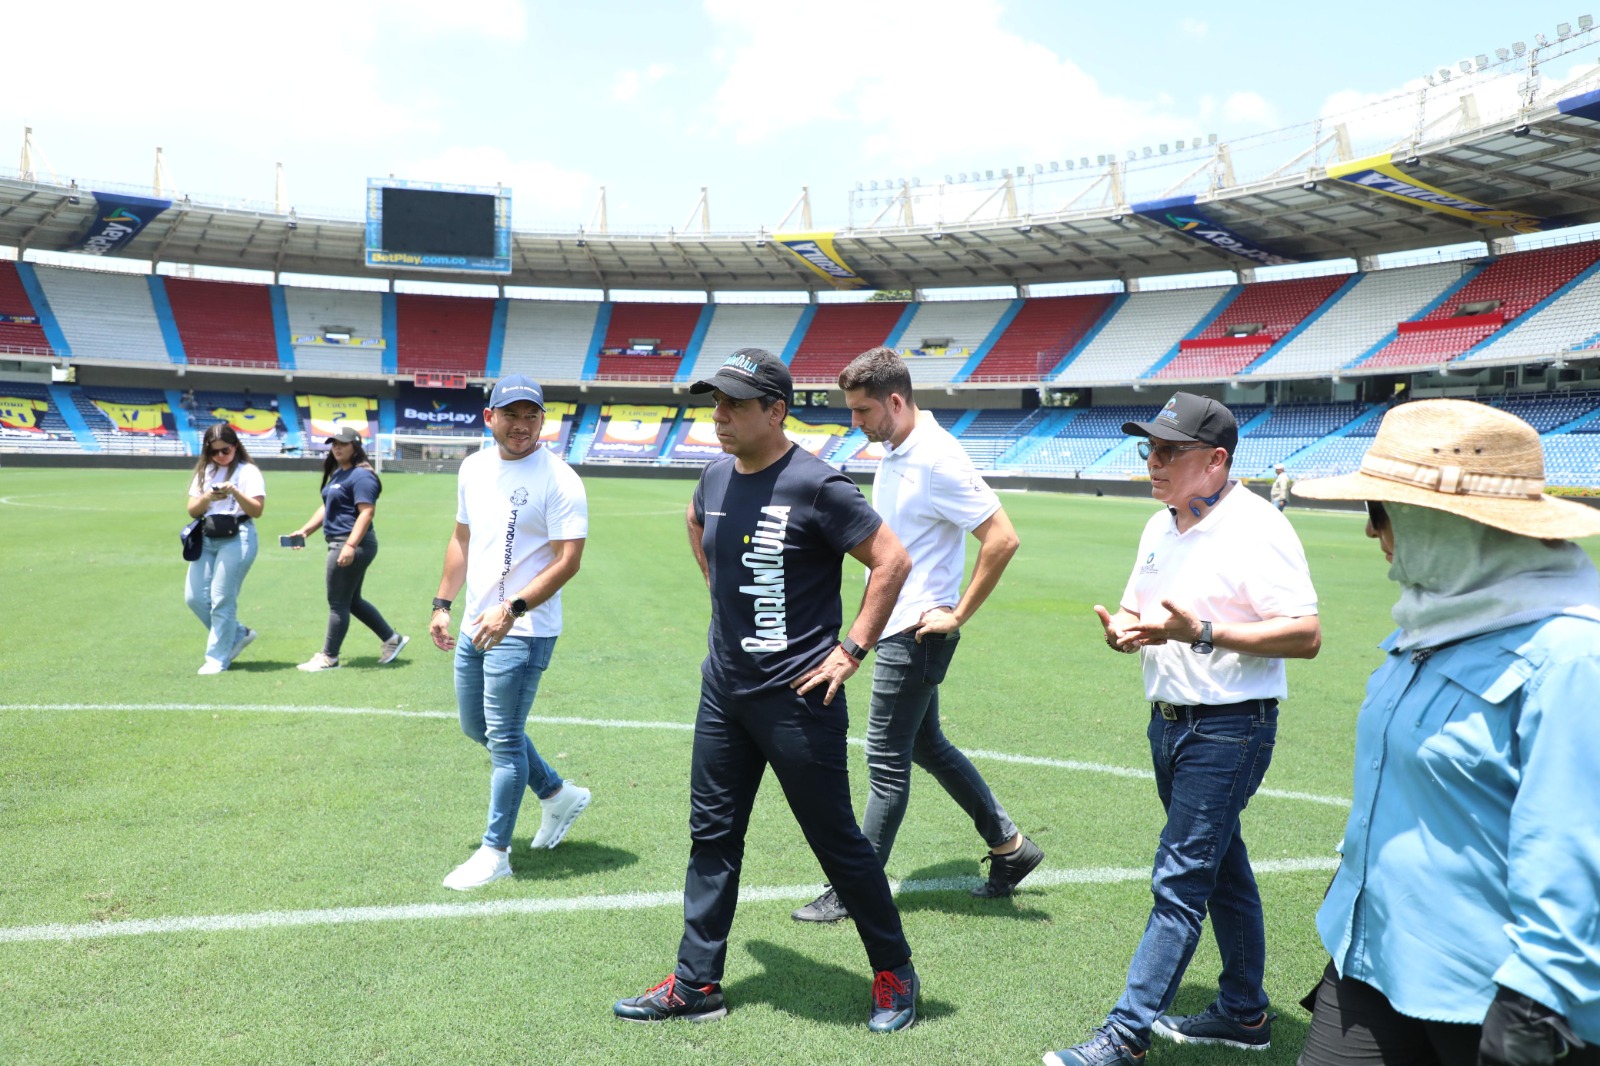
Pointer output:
x,y
203,809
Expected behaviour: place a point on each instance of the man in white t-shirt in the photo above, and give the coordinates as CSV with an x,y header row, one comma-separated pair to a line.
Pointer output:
x,y
1281,484
1219,597
521,521
929,493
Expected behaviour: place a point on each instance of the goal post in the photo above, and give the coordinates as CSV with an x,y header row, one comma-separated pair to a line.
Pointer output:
x,y
423,453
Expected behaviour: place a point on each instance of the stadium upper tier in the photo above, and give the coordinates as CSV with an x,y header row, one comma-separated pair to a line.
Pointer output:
x,y
1513,309
1469,162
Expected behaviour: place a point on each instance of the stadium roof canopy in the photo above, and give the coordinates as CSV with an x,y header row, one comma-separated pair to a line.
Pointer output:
x,y
1536,166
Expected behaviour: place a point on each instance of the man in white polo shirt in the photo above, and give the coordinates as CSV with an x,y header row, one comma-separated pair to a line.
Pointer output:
x,y
1219,597
928,492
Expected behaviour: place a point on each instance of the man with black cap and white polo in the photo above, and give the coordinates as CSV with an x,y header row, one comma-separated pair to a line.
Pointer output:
x,y
1219,597
521,522
770,525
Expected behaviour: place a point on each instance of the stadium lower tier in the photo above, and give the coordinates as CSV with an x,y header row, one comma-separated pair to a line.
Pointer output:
x,y
1310,439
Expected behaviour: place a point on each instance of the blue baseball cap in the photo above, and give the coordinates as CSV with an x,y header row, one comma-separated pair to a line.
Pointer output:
x,y
513,387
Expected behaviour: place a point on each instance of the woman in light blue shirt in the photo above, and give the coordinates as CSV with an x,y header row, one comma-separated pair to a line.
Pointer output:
x,y
1462,922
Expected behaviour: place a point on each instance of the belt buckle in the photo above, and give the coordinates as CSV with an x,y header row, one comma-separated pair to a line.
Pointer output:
x,y
1168,711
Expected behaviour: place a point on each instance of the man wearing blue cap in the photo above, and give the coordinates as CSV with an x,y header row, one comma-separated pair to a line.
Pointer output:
x,y
521,521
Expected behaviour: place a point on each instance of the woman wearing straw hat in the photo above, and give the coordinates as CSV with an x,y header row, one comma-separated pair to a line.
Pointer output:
x,y
1462,922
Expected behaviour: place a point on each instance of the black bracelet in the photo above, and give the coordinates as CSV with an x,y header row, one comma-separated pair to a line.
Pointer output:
x,y
441,604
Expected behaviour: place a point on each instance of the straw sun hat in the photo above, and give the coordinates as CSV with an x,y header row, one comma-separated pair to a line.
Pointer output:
x,y
1465,458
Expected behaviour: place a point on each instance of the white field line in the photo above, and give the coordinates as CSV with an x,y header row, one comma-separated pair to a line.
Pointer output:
x,y
620,723
629,901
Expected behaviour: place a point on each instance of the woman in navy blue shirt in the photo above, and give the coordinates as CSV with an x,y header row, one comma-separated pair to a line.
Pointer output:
x,y
350,493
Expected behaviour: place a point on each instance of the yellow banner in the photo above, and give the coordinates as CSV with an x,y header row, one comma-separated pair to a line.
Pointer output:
x,y
18,413
633,425
817,252
328,413
554,414
812,438
252,420
1379,174
136,417
702,430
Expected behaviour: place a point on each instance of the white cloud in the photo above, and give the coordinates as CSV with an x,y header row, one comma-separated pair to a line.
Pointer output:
x,y
1191,27
539,190
1247,109
629,82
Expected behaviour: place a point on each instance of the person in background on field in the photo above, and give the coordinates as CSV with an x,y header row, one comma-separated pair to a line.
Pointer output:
x,y
350,491
227,493
521,522
928,492
1461,922
1280,487
770,525
1219,597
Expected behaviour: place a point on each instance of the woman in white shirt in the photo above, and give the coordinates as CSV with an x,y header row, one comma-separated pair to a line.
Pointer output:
x,y
227,493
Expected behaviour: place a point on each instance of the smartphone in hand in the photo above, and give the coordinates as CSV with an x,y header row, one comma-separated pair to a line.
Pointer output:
x,y
292,540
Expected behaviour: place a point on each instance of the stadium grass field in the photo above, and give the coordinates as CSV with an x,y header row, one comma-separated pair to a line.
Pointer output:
x,y
245,868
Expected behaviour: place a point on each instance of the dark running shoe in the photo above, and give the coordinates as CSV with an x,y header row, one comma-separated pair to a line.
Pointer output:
x,y
673,999
825,908
1005,871
1211,1026
1105,1048
894,999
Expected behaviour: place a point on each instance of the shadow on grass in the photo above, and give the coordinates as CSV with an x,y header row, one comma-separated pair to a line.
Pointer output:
x,y
800,986
267,666
1288,1031
574,858
948,887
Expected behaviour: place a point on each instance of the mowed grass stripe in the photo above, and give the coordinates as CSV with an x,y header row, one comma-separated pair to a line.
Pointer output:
x,y
629,901
621,723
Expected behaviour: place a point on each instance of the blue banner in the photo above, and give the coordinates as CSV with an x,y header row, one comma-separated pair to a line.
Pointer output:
x,y
118,219
458,410
1584,105
1180,214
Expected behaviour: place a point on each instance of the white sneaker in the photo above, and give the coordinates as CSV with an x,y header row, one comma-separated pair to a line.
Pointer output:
x,y
392,649
487,864
246,635
319,661
558,813
210,666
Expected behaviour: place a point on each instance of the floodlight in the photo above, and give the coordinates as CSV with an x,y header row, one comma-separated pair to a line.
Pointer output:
x,y
1211,138
1025,228
1004,173
581,243
73,200
1082,162
936,236
1102,161
916,183
1430,80
1518,48
1444,73
1163,148
948,179
1116,218
1483,62
1520,130
1466,66
1564,30
963,176
1541,40
988,175
858,187
291,223
1308,185
1147,152
1502,54
761,242
1055,166
874,186
1038,168
1412,160
1585,23
1132,155
1069,163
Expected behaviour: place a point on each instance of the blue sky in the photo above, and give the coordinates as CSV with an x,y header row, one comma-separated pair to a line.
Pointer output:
x,y
751,98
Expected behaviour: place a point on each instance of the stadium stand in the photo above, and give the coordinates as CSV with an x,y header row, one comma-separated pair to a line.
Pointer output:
x,y
29,421
442,333
1262,314
1501,291
223,323
1044,332
314,313
1560,326
665,328
736,326
838,333
992,433
105,317
1361,318
958,327
130,421
25,337
547,339
254,418
1143,331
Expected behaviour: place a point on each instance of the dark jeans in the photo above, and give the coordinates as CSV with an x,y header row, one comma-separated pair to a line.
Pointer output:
x,y
1206,771
804,741
344,594
903,728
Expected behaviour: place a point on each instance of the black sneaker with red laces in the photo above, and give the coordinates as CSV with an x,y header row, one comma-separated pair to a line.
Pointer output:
x,y
894,999
673,998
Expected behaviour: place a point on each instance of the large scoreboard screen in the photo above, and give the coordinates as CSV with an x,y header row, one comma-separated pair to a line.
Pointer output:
x,y
413,225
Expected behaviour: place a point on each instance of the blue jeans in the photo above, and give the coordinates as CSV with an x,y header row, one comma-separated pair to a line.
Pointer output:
x,y
212,588
903,728
1206,771
494,693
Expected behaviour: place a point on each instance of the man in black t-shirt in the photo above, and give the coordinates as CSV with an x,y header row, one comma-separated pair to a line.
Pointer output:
x,y
770,525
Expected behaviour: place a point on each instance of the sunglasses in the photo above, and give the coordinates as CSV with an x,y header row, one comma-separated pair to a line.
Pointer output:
x,y
1168,452
1377,515
221,449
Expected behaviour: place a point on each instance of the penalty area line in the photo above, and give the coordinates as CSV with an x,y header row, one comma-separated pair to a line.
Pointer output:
x,y
628,901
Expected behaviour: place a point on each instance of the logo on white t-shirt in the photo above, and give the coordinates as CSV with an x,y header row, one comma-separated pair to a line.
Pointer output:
x,y
1150,566
519,497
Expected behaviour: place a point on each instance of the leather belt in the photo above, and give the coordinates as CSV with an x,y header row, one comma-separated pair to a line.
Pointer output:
x,y
1173,712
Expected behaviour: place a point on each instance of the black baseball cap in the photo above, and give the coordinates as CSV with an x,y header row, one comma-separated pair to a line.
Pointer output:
x,y
748,373
1190,418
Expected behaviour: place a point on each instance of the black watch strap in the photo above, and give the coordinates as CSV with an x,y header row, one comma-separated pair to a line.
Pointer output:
x,y
1204,646
441,604
852,649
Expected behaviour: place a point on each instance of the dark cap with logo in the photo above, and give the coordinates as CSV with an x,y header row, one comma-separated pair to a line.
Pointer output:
x,y
513,387
345,435
1190,418
748,373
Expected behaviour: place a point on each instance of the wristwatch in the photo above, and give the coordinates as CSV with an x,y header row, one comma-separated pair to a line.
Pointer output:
x,y
854,650
519,607
1203,646
441,604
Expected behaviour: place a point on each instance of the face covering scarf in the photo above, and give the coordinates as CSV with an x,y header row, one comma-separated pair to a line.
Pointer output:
x,y
1459,578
